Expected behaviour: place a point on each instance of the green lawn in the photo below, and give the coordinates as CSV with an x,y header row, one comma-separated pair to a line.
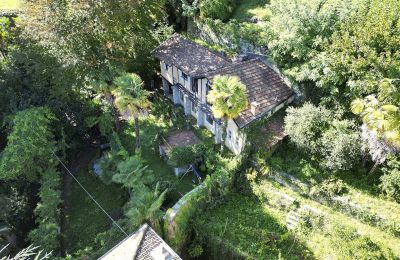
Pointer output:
x,y
248,9
9,4
85,220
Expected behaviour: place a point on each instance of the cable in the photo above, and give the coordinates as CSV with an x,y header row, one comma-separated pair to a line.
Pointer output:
x,y
90,195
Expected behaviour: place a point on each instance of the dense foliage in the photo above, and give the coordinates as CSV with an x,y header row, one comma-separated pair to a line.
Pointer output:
x,y
315,130
31,155
106,34
217,9
69,72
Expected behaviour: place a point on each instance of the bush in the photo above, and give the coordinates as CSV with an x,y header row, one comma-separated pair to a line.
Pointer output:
x,y
391,184
315,130
340,146
330,187
217,9
305,125
182,156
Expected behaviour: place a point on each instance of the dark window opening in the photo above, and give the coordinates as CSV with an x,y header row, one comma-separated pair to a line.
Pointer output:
x,y
195,87
184,76
194,107
166,66
209,119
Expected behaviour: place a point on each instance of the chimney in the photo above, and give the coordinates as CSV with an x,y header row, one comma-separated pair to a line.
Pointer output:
x,y
254,107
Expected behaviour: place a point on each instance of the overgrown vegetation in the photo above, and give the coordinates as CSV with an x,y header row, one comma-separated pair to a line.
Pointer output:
x,y
67,81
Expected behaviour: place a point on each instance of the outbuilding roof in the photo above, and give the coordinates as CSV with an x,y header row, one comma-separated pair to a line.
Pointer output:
x,y
265,88
144,244
193,59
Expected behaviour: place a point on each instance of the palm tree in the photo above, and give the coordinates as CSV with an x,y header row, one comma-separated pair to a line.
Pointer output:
x,y
381,127
144,205
131,97
105,91
382,119
228,98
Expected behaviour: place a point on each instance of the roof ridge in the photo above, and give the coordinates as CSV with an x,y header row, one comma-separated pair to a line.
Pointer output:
x,y
235,64
201,46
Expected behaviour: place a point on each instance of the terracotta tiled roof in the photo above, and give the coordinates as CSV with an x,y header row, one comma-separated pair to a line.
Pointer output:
x,y
144,244
190,57
264,86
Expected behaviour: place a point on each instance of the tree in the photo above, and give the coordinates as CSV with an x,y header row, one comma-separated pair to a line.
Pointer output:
x,y
354,62
46,235
228,98
30,145
217,9
131,98
382,119
335,142
306,124
105,90
340,146
298,31
107,34
144,205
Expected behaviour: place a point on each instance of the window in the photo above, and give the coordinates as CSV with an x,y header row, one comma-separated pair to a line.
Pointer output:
x,y
194,107
209,119
229,134
166,66
237,141
183,75
181,96
208,87
195,87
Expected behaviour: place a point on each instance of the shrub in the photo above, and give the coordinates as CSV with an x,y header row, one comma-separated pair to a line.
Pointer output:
x,y
330,187
340,146
391,184
182,156
334,142
305,125
217,9
195,250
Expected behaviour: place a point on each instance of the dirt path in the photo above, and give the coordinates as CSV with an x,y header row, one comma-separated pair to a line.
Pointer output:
x,y
81,160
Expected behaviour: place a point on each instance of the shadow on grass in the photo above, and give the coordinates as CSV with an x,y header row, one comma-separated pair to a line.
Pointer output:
x,y
85,220
244,228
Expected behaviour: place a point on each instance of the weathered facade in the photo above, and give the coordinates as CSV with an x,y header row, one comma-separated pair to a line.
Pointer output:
x,y
187,71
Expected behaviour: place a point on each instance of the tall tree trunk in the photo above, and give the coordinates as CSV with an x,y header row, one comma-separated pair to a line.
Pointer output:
x,y
137,131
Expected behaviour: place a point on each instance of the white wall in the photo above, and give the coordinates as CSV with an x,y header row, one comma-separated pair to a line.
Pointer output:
x,y
167,74
173,74
209,126
237,139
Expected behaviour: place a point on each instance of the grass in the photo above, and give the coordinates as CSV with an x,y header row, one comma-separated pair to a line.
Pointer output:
x,y
247,228
9,4
251,9
289,159
85,220
322,240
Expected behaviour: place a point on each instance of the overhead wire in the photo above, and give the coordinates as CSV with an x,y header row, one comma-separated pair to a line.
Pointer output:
x,y
90,195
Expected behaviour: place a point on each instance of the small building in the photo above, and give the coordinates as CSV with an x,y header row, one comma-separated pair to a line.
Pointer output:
x,y
179,138
187,71
144,244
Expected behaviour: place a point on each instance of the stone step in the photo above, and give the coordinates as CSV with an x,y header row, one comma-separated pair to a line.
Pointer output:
x,y
292,219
